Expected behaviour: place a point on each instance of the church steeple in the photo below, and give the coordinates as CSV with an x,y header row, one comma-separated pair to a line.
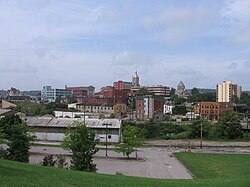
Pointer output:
x,y
135,79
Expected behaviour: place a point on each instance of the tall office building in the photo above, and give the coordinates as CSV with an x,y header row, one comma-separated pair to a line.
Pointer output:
x,y
227,91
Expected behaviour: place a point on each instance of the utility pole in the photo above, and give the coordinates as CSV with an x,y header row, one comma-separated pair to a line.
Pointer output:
x,y
84,115
201,136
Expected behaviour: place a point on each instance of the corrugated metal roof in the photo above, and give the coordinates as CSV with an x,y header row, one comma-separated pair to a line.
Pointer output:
x,y
64,122
3,111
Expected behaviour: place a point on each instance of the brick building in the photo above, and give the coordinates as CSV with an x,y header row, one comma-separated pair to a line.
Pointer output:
x,y
213,110
121,85
116,95
82,91
149,107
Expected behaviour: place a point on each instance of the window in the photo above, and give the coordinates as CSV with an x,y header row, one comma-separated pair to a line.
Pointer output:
x,y
109,136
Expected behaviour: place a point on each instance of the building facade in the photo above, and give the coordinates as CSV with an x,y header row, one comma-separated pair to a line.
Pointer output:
x,y
14,92
49,94
213,110
54,129
159,90
121,85
227,91
149,107
82,91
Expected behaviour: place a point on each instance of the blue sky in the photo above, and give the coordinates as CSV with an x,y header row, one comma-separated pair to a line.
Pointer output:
x,y
56,42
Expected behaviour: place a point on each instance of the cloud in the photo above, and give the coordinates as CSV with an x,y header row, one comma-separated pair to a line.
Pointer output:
x,y
132,58
236,14
236,10
177,25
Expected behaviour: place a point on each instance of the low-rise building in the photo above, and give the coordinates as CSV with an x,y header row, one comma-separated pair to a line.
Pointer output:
x,y
82,91
158,90
213,110
121,85
54,129
49,94
149,107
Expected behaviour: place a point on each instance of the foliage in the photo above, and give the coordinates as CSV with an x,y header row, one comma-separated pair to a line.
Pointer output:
x,y
19,143
38,109
180,110
48,160
2,136
61,161
199,97
131,139
244,99
7,122
230,123
82,143
71,99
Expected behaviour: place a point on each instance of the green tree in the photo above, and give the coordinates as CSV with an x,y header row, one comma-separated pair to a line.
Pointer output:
x,y
230,124
2,136
180,110
71,99
82,143
195,91
19,142
7,122
131,140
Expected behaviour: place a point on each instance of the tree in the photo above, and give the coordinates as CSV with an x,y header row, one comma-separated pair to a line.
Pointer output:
x,y
19,142
7,122
2,136
230,124
180,110
71,99
82,143
131,139
195,91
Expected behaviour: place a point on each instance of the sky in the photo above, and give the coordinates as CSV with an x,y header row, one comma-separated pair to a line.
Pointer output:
x,y
78,43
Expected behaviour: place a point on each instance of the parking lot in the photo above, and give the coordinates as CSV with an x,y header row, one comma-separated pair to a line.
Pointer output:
x,y
152,163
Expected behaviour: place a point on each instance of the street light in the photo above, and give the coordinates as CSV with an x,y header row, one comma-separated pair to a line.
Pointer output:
x,y
106,124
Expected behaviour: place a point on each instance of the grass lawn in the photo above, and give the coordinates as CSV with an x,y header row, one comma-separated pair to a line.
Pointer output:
x,y
210,170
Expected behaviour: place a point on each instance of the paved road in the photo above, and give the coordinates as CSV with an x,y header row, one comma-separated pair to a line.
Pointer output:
x,y
194,143
153,162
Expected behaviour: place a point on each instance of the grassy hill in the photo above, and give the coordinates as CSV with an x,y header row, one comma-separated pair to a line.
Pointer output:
x,y
210,170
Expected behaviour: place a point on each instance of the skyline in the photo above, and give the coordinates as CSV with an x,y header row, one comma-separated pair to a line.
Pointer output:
x,y
96,43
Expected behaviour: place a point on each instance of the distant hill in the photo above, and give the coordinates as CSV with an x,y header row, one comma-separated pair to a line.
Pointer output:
x,y
31,93
3,93
206,90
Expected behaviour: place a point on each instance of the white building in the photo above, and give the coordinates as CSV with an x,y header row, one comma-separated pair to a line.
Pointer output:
x,y
168,109
227,91
53,129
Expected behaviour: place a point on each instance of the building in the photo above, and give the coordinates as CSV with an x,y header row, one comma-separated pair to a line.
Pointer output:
x,y
7,104
115,95
181,90
213,110
121,85
54,129
135,80
14,92
158,90
227,91
101,109
149,107
49,94
95,100
82,91
168,109
5,112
